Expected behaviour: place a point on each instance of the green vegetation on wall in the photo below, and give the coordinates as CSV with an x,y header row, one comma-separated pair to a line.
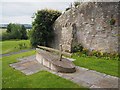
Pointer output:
x,y
81,51
42,31
76,3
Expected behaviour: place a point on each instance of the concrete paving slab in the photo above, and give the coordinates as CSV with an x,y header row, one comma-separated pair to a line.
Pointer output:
x,y
101,74
28,65
107,81
94,86
27,72
90,77
77,73
80,82
27,58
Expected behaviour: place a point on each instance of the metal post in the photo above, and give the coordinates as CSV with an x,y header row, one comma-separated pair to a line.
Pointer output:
x,y
60,53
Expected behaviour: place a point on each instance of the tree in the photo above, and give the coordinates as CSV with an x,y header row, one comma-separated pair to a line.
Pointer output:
x,y
42,31
15,31
9,28
23,32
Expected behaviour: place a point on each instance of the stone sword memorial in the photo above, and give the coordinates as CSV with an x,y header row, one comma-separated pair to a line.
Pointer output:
x,y
52,59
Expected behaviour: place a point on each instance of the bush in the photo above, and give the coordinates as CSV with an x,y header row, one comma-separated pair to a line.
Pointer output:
x,y
6,36
15,31
22,46
83,52
96,53
29,33
112,21
42,31
77,48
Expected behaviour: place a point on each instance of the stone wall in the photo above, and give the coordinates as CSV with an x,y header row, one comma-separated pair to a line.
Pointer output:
x,y
89,24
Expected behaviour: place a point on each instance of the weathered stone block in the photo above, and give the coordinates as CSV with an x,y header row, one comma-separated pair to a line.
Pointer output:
x,y
52,61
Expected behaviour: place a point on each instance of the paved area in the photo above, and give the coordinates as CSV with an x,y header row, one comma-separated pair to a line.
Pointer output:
x,y
90,78
82,76
28,65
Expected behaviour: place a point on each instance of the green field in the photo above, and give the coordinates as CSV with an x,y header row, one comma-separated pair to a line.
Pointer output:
x,y
14,45
98,64
12,78
2,31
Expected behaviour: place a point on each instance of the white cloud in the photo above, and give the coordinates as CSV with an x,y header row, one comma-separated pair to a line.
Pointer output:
x,y
38,0
17,19
59,0
21,12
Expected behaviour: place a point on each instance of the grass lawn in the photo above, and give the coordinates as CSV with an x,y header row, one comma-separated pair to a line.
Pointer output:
x,y
14,45
99,64
12,78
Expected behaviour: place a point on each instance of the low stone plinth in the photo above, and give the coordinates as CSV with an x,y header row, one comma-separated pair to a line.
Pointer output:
x,y
51,61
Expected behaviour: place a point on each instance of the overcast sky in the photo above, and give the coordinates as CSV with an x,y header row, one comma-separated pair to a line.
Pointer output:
x,y
21,11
